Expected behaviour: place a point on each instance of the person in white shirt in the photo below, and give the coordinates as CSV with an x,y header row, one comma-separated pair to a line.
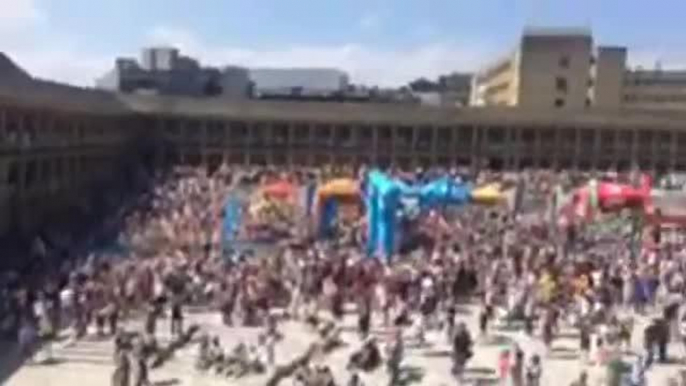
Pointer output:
x,y
27,339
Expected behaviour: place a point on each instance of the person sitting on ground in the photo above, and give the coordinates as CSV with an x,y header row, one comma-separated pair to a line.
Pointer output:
x,y
330,335
366,358
203,361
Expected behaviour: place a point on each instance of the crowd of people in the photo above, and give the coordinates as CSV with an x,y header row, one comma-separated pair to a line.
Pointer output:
x,y
166,253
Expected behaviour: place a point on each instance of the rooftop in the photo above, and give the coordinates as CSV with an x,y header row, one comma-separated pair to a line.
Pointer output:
x,y
46,95
557,31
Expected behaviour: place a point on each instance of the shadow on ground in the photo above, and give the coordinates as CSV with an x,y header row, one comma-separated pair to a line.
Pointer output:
x,y
480,376
437,353
496,340
11,360
409,375
167,382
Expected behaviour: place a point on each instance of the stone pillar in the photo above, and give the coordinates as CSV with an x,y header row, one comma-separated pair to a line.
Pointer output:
x,y
183,129
537,147
514,148
634,147
51,183
453,145
557,144
597,133
3,126
374,154
204,144
224,146
577,147
654,146
290,138
21,161
393,151
673,149
161,143
476,147
3,160
434,144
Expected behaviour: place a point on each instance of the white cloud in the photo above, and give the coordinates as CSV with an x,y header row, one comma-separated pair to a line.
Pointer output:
x,y
369,21
28,37
64,65
368,65
18,14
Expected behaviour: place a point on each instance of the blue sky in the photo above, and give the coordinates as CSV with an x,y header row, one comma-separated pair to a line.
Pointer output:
x,y
377,41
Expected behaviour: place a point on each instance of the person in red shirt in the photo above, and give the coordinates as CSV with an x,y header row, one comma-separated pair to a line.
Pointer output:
x,y
504,366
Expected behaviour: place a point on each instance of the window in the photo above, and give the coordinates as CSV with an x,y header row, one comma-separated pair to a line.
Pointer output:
x,y
302,133
561,84
343,135
385,133
564,61
12,174
559,102
280,133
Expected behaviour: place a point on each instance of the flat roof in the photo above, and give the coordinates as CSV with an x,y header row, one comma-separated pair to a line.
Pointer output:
x,y
46,95
399,114
557,31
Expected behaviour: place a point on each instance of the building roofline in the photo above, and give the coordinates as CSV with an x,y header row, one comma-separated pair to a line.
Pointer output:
x,y
534,31
46,95
399,114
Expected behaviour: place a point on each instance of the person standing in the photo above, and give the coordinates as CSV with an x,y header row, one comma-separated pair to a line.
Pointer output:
x,y
637,376
517,370
151,318
396,351
27,338
548,330
584,341
662,339
462,349
122,365
176,317
110,314
682,331
140,363
534,371
484,317
582,380
364,318
504,366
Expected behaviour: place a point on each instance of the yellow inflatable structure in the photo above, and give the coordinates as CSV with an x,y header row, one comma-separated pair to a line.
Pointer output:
x,y
491,194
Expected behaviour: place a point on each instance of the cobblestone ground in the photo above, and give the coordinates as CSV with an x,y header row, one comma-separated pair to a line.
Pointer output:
x,y
89,362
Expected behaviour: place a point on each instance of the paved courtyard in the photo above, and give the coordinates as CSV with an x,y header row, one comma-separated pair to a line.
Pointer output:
x,y
89,362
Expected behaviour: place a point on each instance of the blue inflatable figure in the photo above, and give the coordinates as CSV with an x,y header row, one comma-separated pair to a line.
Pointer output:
x,y
383,198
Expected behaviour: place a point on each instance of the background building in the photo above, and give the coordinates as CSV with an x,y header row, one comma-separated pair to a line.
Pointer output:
x,y
549,68
163,70
655,89
561,68
452,90
311,82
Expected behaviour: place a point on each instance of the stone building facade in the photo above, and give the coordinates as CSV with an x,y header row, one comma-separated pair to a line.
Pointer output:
x,y
56,141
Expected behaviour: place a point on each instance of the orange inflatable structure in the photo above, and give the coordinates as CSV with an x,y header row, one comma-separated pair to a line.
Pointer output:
x,y
344,189
342,195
